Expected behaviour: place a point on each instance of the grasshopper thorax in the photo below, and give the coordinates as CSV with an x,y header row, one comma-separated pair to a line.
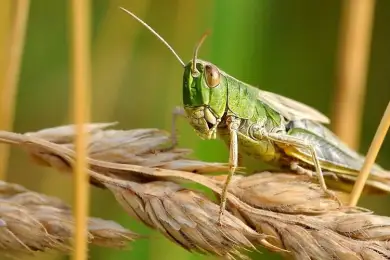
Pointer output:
x,y
204,97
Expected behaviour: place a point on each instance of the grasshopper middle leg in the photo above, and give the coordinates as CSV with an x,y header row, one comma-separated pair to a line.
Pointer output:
x,y
300,170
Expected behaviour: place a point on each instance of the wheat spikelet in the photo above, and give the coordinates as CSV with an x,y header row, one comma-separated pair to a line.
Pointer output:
x,y
283,212
146,147
31,222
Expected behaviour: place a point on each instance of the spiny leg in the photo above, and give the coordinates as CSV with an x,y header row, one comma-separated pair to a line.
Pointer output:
x,y
177,112
294,166
233,124
291,140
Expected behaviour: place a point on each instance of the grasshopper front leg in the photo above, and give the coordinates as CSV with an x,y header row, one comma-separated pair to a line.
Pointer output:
x,y
233,125
177,112
291,140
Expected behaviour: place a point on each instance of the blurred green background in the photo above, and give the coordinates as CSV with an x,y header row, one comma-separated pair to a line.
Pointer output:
x,y
287,47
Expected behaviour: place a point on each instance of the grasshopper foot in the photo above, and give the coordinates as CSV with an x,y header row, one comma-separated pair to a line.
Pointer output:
x,y
220,219
300,170
333,196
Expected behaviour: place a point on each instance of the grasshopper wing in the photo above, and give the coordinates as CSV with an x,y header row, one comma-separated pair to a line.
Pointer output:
x,y
333,154
291,109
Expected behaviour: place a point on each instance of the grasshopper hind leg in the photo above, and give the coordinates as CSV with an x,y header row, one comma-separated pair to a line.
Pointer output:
x,y
291,140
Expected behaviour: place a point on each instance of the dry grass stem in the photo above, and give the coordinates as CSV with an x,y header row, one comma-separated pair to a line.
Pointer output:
x,y
371,156
355,41
283,212
31,222
81,107
14,58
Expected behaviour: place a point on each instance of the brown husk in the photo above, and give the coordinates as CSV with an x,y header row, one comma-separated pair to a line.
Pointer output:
x,y
282,212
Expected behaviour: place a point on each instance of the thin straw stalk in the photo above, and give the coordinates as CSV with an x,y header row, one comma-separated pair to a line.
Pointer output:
x,y
81,91
13,59
371,156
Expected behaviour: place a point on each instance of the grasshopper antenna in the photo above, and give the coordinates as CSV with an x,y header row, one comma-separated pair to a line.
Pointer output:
x,y
194,71
156,34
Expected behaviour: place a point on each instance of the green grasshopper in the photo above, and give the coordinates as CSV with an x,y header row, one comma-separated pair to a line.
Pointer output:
x,y
269,127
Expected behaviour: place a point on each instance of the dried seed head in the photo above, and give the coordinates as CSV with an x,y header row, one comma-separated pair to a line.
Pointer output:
x,y
282,212
31,222
286,193
186,217
145,147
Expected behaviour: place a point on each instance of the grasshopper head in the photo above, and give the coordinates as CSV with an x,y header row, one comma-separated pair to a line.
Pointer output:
x,y
204,97
204,89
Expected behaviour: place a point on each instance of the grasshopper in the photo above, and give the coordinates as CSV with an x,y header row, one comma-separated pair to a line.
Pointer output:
x,y
267,126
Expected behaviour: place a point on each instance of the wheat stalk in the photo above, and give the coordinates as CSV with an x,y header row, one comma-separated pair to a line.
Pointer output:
x,y
283,212
30,222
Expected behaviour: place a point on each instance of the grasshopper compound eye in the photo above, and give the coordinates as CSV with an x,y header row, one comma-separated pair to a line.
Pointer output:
x,y
212,76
